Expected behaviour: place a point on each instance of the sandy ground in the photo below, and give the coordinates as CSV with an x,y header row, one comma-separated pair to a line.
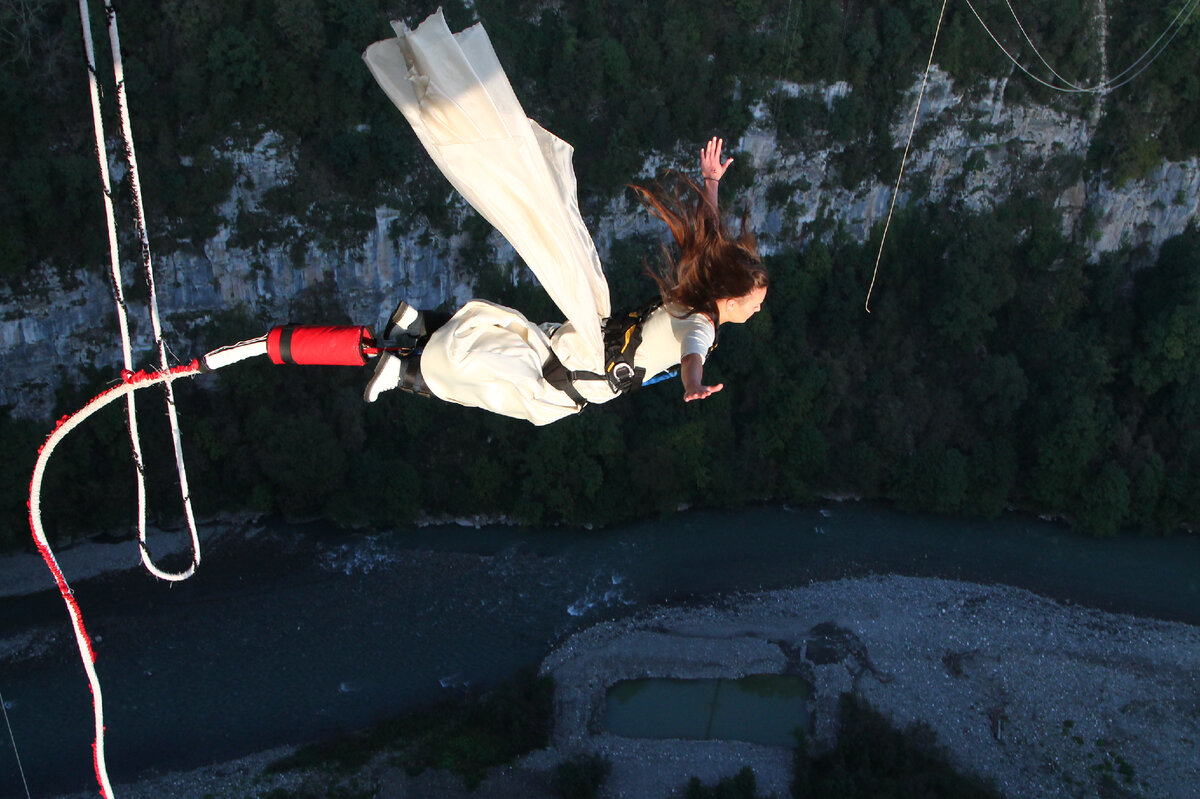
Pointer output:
x,y
1045,699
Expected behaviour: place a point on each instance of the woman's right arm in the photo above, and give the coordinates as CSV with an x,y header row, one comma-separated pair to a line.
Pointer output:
x,y
712,169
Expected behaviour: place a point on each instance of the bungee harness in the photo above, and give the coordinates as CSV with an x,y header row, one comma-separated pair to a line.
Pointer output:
x,y
622,336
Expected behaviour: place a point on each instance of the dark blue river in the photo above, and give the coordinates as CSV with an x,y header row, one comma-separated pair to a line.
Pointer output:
x,y
297,631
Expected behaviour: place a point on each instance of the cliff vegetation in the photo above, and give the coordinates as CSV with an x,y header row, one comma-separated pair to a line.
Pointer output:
x,y
1008,362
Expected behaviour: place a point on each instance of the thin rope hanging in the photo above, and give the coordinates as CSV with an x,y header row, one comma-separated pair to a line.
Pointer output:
x,y
1121,78
1152,53
904,159
1034,47
13,738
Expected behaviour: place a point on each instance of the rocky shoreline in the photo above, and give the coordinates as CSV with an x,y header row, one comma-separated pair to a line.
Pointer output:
x,y
1042,698
26,573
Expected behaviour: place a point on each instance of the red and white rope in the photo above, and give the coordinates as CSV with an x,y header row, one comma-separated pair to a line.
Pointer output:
x,y
130,382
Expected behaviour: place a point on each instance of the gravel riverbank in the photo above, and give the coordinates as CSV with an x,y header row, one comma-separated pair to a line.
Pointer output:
x,y
1043,698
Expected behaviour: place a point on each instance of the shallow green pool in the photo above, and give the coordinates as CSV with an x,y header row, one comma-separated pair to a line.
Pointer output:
x,y
762,709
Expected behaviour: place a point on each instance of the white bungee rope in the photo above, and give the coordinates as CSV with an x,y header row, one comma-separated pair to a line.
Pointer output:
x,y
139,219
115,277
118,294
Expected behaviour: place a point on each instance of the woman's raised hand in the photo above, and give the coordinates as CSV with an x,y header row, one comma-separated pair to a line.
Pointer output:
x,y
711,166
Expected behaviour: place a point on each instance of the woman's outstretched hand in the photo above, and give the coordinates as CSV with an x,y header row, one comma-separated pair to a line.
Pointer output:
x,y
702,392
691,372
711,166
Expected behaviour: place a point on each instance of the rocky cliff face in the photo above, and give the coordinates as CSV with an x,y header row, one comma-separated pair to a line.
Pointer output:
x,y
971,148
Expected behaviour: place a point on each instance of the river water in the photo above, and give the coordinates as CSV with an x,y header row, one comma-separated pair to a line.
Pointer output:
x,y
298,631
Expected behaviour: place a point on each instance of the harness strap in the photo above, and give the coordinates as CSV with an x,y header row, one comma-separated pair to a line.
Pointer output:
x,y
622,337
411,379
562,379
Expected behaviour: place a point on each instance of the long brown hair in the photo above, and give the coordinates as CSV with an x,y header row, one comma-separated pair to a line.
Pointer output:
x,y
712,263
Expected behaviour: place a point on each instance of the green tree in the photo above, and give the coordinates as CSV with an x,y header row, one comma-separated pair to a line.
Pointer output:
x,y
301,25
993,470
1064,452
19,438
233,60
874,760
1104,501
997,390
1172,349
300,457
1145,492
937,479
974,280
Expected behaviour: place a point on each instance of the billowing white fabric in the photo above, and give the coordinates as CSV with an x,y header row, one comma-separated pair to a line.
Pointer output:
x,y
489,356
453,91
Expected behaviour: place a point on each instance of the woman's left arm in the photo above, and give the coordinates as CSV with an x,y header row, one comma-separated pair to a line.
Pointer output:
x,y
691,371
712,169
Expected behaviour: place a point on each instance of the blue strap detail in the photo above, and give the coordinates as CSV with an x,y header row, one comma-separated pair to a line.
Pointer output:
x,y
662,376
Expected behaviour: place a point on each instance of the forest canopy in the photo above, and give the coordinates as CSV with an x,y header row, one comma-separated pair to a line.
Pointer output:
x,y
617,78
1003,366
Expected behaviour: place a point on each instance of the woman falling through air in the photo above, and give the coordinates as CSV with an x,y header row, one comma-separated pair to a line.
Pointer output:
x,y
459,102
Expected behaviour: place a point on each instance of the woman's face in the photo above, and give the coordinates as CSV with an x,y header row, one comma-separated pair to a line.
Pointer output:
x,y
739,309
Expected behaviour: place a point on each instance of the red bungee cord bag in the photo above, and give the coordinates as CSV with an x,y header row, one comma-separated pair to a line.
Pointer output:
x,y
318,345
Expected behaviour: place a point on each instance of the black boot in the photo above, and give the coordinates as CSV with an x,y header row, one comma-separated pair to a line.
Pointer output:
x,y
408,321
396,371
410,377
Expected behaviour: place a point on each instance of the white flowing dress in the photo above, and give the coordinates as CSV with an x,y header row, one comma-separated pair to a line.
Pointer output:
x,y
455,95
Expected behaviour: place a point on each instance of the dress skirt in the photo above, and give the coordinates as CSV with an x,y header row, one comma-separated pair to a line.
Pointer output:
x,y
455,95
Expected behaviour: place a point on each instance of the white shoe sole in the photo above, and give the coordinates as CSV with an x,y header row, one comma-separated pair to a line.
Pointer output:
x,y
402,320
385,378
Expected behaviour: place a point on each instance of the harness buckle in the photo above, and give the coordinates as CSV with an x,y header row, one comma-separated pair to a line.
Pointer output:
x,y
622,376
